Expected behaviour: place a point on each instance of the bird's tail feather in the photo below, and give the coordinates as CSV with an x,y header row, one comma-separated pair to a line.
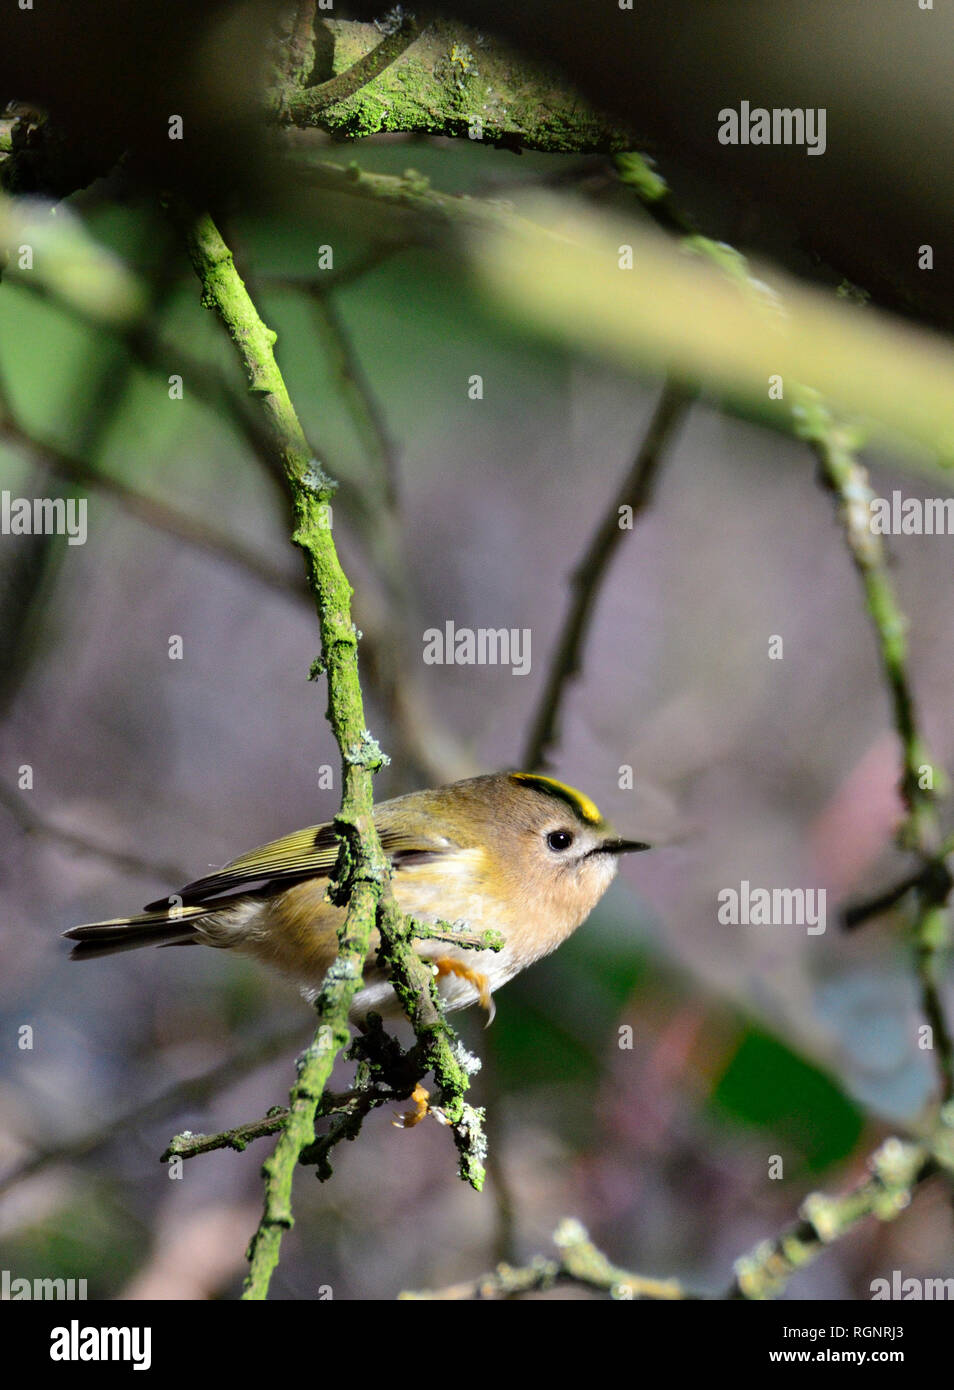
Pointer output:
x,y
163,928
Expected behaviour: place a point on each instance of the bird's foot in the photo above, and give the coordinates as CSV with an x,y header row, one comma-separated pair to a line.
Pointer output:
x,y
444,965
410,1118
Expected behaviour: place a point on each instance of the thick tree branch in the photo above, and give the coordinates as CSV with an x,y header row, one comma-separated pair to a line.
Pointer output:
x,y
452,81
306,106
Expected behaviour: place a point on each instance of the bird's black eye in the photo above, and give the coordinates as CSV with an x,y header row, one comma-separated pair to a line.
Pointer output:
x,y
559,839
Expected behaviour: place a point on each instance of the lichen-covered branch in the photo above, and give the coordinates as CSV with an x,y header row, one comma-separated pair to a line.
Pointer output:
x,y
412,193
895,1170
386,1073
332,1103
362,871
361,879
834,445
189,1145
580,1263
438,1048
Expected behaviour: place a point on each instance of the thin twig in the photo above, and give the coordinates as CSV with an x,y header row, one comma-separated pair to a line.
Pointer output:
x,y
329,281
356,389
834,446
580,1263
160,515
895,1171
634,493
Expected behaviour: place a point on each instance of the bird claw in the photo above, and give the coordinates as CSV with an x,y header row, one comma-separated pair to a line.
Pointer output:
x,y
445,966
409,1118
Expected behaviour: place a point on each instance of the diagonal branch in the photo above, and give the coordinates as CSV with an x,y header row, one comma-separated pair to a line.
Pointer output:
x,y
32,823
580,1264
834,446
634,493
193,1091
305,106
895,1171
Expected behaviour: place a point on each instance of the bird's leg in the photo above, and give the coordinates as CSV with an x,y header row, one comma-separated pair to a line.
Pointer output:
x,y
410,1118
444,965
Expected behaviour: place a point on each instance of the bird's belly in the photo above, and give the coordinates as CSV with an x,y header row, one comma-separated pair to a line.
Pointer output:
x,y
296,934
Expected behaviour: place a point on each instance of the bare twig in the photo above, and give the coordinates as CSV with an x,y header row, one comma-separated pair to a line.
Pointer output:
x,y
634,493
835,446
580,1263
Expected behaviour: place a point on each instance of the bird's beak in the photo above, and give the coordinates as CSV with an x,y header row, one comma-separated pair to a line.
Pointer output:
x,y
617,846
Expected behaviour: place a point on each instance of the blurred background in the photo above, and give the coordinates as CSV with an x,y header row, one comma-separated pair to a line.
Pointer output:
x,y
747,1042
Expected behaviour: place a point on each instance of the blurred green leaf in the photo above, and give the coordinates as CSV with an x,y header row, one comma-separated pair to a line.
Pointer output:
x,y
93,1238
768,1086
50,244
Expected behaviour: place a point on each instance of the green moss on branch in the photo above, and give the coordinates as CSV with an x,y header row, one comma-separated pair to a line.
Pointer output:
x,y
451,81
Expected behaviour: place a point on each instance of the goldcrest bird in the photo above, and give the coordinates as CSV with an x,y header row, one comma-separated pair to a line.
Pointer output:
x,y
515,851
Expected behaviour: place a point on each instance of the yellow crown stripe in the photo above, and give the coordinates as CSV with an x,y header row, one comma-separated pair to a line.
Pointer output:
x,y
584,807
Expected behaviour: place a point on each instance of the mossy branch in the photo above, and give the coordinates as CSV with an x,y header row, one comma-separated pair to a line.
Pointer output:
x,y
361,879
834,445
447,80
895,1171
580,1263
305,106
386,1073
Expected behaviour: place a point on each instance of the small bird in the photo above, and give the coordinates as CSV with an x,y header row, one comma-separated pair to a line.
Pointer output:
x,y
514,851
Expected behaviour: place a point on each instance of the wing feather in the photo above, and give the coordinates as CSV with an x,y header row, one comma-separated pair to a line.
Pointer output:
x,y
308,853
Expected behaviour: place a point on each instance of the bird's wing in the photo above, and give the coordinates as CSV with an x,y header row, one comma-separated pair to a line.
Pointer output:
x,y
308,853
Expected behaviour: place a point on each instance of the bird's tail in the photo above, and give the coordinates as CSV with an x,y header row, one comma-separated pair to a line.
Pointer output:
x,y
175,927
